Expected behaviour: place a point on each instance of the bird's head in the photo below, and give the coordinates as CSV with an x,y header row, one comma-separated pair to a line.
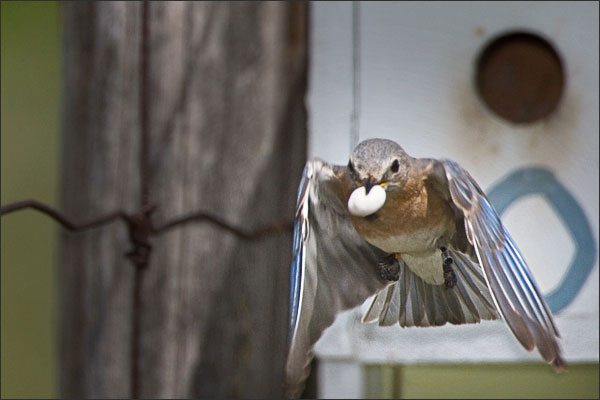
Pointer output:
x,y
378,162
375,164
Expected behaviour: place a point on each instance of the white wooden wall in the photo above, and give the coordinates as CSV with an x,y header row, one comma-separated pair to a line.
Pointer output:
x,y
416,74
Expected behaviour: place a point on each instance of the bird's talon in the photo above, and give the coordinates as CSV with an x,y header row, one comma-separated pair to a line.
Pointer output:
x,y
449,275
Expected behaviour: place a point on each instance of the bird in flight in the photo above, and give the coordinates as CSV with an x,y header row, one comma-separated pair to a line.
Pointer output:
x,y
421,235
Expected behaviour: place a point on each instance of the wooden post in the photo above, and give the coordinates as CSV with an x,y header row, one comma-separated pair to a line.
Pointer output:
x,y
222,88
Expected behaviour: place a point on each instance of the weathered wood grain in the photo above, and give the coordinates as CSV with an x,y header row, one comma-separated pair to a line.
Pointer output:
x,y
227,133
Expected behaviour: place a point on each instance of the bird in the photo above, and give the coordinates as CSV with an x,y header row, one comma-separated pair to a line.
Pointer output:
x,y
418,234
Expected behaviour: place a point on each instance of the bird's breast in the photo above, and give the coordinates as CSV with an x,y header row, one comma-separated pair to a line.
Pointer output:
x,y
412,220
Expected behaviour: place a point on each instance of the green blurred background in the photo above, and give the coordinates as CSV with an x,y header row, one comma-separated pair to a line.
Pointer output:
x,y
29,160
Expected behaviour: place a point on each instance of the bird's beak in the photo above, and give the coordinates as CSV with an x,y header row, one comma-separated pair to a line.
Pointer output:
x,y
368,184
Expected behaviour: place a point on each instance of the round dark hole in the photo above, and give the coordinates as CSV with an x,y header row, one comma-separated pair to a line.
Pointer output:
x,y
520,77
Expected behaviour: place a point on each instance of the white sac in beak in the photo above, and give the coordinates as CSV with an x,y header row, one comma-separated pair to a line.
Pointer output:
x,y
361,204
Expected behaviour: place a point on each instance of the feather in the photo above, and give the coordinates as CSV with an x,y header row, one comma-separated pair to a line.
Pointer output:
x,y
332,267
511,284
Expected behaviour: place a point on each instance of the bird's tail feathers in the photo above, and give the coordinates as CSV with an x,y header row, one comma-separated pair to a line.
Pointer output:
x,y
412,302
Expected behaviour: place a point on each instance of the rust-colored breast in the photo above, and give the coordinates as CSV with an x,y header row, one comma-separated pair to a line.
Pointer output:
x,y
413,208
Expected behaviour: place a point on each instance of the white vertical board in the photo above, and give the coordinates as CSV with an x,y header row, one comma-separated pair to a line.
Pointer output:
x,y
339,379
417,65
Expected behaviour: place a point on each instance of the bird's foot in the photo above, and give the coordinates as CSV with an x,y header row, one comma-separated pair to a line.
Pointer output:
x,y
449,275
389,268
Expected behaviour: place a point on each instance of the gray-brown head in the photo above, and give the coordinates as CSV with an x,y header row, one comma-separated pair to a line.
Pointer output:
x,y
378,162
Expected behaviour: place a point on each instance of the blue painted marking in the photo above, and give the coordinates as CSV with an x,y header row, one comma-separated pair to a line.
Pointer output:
x,y
542,181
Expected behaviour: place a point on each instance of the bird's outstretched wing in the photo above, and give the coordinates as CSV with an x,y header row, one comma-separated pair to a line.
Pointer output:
x,y
333,269
511,284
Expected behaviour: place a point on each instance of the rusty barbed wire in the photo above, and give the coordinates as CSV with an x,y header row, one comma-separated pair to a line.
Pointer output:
x,y
140,223
61,219
140,228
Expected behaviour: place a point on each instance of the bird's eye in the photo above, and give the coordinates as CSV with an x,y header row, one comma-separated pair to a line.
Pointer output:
x,y
395,166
